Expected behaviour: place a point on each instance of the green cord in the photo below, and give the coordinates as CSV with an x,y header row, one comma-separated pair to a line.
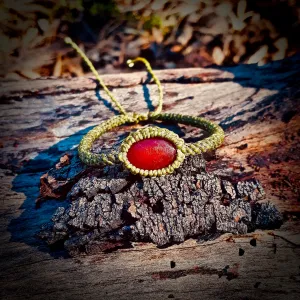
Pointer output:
x,y
131,62
215,139
92,68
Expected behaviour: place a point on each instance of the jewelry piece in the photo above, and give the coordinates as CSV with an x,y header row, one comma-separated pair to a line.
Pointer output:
x,y
150,151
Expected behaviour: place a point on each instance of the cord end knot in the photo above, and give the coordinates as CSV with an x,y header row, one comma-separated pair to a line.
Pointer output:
x,y
130,63
68,40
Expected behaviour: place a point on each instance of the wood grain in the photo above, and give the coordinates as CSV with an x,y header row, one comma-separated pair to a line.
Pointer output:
x,y
258,107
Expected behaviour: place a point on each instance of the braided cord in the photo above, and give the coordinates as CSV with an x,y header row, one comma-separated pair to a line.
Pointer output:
x,y
215,139
85,146
92,68
131,62
93,159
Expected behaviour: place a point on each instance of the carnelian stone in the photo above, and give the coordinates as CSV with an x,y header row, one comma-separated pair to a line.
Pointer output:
x,y
152,153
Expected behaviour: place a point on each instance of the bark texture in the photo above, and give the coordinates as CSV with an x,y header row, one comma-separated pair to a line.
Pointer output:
x,y
110,209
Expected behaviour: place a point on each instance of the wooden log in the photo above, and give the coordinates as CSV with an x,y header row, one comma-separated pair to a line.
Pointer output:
x,y
259,109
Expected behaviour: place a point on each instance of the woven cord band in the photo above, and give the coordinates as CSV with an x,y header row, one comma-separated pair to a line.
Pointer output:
x,y
93,159
215,139
212,142
86,144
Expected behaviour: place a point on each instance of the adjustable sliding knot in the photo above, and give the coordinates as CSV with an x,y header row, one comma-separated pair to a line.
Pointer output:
x,y
150,151
137,117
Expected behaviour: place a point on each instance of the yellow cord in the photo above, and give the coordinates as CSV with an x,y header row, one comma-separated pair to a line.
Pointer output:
x,y
183,149
130,63
92,68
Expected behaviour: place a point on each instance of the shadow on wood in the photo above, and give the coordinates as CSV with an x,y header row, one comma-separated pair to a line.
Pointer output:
x,y
259,109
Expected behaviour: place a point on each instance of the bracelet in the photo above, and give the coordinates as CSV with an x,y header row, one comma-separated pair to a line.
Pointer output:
x,y
150,151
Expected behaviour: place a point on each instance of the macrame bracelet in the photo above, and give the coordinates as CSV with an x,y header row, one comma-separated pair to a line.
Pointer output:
x,y
163,150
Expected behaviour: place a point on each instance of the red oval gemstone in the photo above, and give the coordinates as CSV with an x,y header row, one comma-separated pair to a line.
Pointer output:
x,y
152,154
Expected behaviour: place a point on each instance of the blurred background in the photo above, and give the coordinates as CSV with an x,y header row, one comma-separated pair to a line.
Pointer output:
x,y
170,34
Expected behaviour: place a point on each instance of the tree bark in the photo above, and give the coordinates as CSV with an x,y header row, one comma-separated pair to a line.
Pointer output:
x,y
111,208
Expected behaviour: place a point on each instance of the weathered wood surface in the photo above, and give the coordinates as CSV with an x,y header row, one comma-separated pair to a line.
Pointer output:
x,y
259,110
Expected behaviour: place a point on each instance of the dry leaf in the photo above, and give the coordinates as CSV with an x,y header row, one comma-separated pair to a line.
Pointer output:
x,y
44,24
186,35
259,55
30,74
58,66
224,9
157,35
282,45
218,55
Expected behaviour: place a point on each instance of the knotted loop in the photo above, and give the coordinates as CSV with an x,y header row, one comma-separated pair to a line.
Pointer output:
x,y
137,117
131,62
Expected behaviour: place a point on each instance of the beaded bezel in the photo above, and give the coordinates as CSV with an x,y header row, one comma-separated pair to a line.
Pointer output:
x,y
150,132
